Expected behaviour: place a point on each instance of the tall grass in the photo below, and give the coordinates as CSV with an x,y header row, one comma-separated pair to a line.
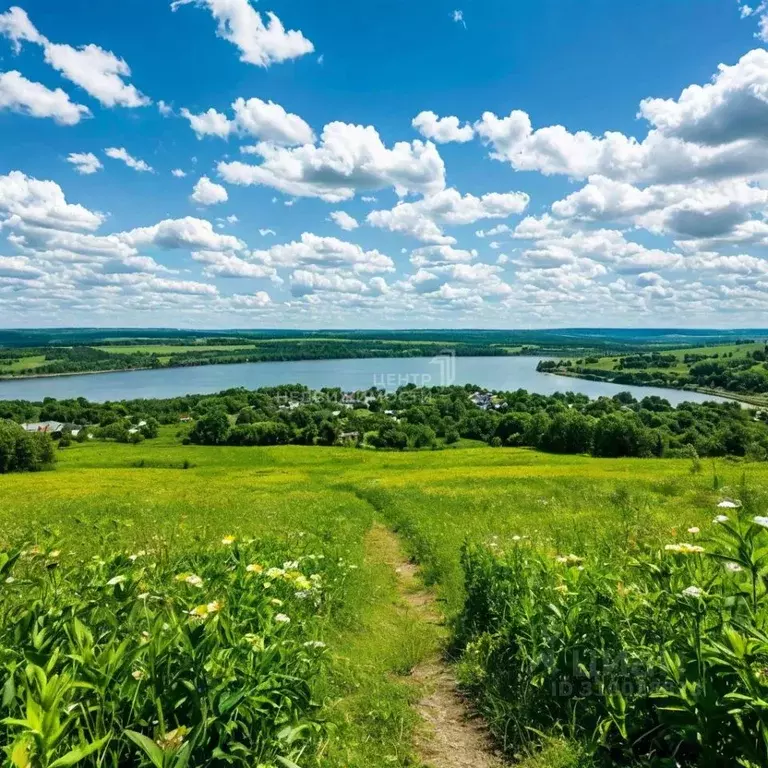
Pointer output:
x,y
647,656
165,657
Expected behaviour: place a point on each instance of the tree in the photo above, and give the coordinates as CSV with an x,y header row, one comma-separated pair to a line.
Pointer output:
x,y
568,432
211,429
22,451
9,435
246,416
452,436
390,436
537,427
621,434
512,427
421,436
327,433
151,429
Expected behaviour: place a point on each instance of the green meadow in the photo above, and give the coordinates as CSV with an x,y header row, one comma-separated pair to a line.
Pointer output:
x,y
185,500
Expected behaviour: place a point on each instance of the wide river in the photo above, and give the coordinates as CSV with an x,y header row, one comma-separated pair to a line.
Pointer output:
x,y
501,373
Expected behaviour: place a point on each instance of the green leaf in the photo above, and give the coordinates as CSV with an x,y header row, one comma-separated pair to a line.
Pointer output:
x,y
20,754
182,758
228,702
153,752
9,691
79,753
8,563
284,761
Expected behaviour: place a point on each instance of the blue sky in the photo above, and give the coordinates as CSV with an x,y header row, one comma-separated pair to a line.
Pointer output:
x,y
383,164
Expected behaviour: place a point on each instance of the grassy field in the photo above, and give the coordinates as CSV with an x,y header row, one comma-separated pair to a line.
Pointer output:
x,y
109,496
33,361
172,349
737,350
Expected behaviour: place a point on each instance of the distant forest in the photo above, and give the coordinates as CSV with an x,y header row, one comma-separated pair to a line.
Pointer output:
x,y
588,337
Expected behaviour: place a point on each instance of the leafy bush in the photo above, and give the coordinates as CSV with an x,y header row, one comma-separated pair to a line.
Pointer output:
x,y
657,658
153,658
22,451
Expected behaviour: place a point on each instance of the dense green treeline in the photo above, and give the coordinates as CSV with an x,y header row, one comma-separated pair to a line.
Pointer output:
x,y
629,338
740,371
414,418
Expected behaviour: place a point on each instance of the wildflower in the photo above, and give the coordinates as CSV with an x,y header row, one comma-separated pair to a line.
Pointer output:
x,y
199,612
277,602
115,580
32,551
570,560
684,549
10,580
302,594
275,573
281,618
694,530
143,596
728,504
291,565
760,520
228,541
721,519
692,592
625,589
54,554
255,641
733,567
517,538
254,568
174,739
145,637
190,578
137,674
314,644
214,607
303,583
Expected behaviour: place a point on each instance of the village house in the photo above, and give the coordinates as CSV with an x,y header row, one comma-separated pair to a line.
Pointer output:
x,y
51,427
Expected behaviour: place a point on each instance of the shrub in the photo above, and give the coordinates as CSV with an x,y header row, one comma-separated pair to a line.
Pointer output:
x,y
657,658
211,429
22,451
162,658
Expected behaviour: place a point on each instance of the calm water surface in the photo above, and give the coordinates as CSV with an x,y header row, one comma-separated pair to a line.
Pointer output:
x,y
504,373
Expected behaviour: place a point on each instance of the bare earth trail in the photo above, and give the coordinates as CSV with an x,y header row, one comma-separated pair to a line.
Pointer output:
x,y
452,736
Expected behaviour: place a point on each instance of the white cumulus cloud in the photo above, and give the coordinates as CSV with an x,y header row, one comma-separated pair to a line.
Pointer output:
x,y
260,43
207,192
425,218
344,220
100,73
27,97
85,163
348,159
263,120
120,153
442,129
